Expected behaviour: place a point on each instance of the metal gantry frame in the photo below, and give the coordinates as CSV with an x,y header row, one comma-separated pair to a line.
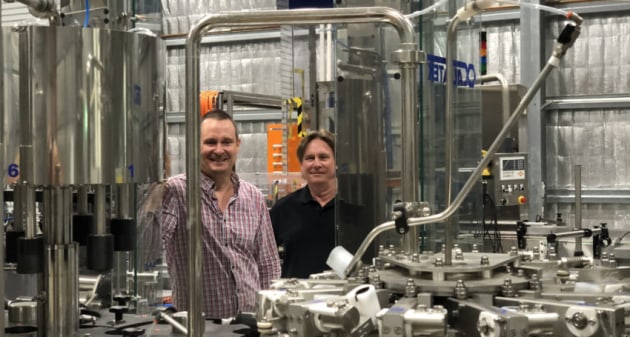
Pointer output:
x,y
408,56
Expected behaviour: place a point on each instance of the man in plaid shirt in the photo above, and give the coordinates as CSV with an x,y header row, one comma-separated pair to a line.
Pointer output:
x,y
239,249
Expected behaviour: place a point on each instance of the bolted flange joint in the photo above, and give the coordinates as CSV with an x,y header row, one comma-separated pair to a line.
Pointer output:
x,y
408,55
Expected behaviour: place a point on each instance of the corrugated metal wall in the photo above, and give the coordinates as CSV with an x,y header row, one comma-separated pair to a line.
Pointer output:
x,y
599,62
251,67
15,13
596,137
179,15
247,66
504,50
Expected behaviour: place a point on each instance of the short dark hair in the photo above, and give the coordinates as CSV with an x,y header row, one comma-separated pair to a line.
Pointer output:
x,y
324,135
220,115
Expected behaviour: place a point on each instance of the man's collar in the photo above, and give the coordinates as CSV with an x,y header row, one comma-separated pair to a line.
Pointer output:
x,y
207,183
305,195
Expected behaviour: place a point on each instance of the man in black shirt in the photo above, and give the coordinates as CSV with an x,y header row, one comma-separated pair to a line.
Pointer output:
x,y
304,221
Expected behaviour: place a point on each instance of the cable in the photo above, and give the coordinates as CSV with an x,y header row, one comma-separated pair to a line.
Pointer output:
x,y
86,21
477,232
489,208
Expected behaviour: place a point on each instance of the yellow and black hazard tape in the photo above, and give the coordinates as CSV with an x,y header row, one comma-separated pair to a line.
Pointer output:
x,y
296,103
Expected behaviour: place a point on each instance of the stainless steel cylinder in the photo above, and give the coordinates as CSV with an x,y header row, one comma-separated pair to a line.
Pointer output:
x,y
23,313
100,216
94,106
82,200
62,283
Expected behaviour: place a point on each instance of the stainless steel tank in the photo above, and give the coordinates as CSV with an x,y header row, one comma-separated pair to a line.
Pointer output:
x,y
82,108
92,105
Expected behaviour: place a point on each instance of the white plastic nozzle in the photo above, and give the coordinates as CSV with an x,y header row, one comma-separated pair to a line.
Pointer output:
x,y
365,299
338,260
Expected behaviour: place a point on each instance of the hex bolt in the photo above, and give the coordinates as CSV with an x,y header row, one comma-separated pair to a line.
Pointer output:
x,y
460,290
410,288
485,261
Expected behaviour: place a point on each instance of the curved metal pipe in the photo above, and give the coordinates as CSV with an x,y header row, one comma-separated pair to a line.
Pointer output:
x,y
301,17
472,180
39,8
505,94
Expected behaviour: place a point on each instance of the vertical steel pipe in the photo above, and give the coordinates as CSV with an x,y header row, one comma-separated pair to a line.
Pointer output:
x,y
123,202
193,195
99,209
578,208
405,30
62,275
121,258
449,134
410,140
2,164
82,200
25,194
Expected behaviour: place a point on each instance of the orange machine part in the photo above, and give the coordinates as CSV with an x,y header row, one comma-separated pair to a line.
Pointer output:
x,y
275,148
208,101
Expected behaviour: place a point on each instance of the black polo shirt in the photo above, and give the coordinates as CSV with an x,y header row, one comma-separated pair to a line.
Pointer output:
x,y
306,231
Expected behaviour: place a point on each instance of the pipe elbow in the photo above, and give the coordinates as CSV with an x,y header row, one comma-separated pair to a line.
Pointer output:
x,y
39,8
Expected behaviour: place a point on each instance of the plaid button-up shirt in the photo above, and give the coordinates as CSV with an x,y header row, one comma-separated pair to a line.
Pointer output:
x,y
239,250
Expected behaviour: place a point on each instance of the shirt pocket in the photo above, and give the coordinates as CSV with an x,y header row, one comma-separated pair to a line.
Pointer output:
x,y
243,229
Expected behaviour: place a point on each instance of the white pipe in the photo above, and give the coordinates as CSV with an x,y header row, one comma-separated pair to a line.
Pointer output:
x,y
329,47
471,9
429,9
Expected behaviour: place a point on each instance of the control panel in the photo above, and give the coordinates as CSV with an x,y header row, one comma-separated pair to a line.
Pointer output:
x,y
509,175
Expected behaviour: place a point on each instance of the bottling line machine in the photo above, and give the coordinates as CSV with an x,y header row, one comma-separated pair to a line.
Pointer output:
x,y
532,289
527,291
81,132
84,169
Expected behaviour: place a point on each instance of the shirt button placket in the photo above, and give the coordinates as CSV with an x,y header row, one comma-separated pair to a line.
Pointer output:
x,y
226,231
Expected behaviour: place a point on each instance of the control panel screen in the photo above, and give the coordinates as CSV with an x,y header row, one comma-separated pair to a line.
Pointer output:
x,y
512,168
